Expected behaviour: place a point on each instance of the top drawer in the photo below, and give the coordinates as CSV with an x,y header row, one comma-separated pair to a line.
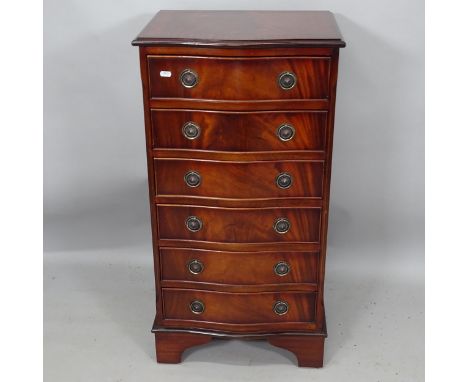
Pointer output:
x,y
254,78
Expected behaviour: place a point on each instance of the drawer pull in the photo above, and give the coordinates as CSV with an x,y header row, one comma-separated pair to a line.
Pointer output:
x,y
191,130
282,225
188,78
285,132
192,179
287,80
197,307
284,180
195,267
280,308
193,224
282,268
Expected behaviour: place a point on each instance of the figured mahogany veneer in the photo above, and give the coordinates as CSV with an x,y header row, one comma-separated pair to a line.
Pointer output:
x,y
307,349
239,225
233,78
254,29
227,268
239,112
239,131
170,346
237,180
239,312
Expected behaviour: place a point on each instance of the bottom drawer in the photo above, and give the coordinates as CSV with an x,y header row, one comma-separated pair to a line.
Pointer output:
x,y
239,311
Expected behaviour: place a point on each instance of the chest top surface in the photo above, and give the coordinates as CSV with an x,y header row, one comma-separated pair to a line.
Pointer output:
x,y
242,28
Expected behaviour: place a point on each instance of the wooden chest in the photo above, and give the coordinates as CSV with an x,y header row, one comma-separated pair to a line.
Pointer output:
x,y
239,109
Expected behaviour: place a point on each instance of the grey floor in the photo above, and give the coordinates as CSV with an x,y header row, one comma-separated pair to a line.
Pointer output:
x,y
99,309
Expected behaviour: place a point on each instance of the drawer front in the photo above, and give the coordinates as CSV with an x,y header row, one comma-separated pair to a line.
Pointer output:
x,y
238,308
239,268
266,179
256,78
241,131
239,225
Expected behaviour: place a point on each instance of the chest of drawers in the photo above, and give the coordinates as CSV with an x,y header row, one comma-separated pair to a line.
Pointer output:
x,y
239,109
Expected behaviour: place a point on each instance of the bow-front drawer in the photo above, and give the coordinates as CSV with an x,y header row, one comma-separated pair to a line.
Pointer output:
x,y
239,225
241,310
239,78
221,179
238,131
238,268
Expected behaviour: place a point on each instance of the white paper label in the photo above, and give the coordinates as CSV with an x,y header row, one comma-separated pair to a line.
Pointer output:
x,y
165,73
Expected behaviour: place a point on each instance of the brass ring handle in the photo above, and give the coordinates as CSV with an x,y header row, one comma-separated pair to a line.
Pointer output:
x,y
287,80
197,307
193,224
282,225
192,179
191,130
282,268
284,180
285,132
188,78
280,307
195,267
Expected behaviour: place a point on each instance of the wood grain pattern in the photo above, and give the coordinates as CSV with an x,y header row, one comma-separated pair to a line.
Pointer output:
x,y
238,203
307,349
238,156
248,180
239,78
239,268
239,225
327,182
241,28
239,131
240,247
150,170
170,346
236,51
239,105
239,311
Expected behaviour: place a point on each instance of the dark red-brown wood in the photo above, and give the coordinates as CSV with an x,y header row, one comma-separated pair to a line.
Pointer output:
x,y
239,225
170,346
307,349
239,180
239,312
239,131
239,78
242,28
221,268
238,105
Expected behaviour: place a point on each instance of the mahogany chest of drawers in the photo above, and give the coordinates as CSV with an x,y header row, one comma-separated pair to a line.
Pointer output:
x,y
239,109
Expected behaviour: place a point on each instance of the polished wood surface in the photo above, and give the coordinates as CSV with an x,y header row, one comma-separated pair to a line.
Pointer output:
x,y
238,106
221,179
240,247
238,131
236,156
236,51
307,349
239,225
239,78
241,28
170,346
238,312
238,268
